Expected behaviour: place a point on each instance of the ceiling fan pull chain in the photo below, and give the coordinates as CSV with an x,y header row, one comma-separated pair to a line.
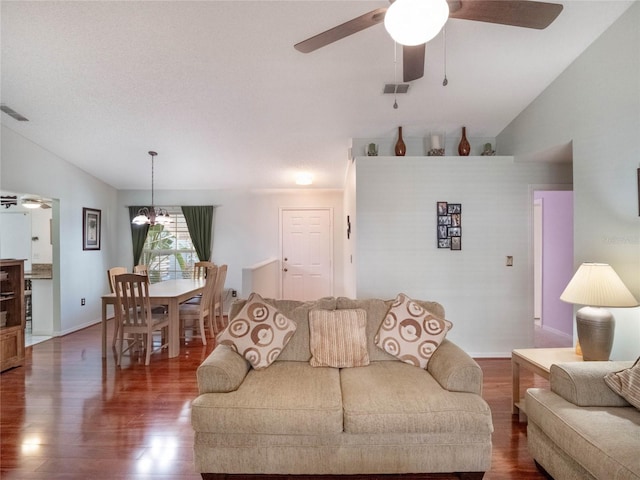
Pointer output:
x,y
445,82
395,75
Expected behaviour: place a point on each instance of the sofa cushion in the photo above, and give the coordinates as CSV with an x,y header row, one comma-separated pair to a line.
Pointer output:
x,y
410,332
626,383
394,397
286,398
259,332
338,338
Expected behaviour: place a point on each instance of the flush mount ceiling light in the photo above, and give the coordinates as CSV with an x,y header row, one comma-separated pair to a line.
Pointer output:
x,y
304,178
414,22
152,215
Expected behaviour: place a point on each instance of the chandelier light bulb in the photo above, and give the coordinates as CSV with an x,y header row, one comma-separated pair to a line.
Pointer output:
x,y
414,22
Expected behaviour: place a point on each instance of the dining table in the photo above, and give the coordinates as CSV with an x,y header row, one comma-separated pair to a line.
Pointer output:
x,y
170,293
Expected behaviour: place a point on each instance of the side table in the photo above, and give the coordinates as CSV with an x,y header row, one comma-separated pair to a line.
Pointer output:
x,y
539,361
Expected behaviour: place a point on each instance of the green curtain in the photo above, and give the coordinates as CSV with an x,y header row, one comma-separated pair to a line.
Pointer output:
x,y
200,222
138,235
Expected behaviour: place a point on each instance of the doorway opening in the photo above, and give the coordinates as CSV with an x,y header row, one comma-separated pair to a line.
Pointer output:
x,y
553,266
30,234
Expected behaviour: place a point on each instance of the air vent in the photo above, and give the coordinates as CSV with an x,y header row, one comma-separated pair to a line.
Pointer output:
x,y
12,113
395,88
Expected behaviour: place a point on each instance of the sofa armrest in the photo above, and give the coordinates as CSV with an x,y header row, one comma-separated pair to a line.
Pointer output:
x,y
582,383
455,370
222,371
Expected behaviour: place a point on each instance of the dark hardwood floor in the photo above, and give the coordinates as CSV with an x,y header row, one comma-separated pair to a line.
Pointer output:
x,y
69,414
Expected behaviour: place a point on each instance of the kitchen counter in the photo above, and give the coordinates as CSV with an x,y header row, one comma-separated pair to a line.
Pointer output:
x,y
39,271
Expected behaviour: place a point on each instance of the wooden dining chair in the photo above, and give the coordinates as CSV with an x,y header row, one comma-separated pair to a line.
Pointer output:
x,y
194,314
111,275
200,269
141,270
217,309
135,317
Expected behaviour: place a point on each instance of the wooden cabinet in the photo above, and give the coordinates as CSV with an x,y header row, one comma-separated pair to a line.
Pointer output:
x,y
11,313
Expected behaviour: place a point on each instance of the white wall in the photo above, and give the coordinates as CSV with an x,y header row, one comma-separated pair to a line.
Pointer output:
x,y
350,253
490,304
26,167
246,229
41,251
595,104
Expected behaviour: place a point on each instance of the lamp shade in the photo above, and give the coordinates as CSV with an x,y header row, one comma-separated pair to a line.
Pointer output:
x,y
598,285
414,22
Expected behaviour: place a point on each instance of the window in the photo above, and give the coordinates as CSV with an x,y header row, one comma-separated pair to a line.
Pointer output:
x,y
168,251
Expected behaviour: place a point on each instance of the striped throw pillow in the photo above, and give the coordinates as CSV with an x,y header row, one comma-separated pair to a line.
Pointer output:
x,y
626,383
338,338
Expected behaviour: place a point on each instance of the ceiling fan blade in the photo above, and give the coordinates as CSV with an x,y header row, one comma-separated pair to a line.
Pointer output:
x,y
413,62
518,13
341,31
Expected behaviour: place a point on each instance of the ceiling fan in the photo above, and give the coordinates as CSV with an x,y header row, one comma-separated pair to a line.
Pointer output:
x,y
34,202
518,13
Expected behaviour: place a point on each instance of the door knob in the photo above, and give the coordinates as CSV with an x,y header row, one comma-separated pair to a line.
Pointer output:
x,y
286,269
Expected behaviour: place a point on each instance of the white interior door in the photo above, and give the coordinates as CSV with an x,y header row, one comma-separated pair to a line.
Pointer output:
x,y
306,253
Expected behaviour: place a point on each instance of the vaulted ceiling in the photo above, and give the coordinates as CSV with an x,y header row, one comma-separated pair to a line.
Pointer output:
x,y
217,89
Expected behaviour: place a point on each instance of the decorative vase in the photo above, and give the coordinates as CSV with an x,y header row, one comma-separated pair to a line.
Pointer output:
x,y
401,148
372,150
464,148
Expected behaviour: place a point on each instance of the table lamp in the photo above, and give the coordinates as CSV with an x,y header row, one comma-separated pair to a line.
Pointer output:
x,y
596,285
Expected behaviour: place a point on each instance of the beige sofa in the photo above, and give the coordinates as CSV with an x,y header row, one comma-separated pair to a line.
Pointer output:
x,y
385,418
580,428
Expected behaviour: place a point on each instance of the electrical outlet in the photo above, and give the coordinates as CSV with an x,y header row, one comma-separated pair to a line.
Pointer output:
x,y
234,294
83,301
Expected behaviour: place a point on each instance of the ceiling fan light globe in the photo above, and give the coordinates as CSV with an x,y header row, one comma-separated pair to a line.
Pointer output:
x,y
414,22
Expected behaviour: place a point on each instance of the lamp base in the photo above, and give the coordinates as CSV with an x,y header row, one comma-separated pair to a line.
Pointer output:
x,y
595,333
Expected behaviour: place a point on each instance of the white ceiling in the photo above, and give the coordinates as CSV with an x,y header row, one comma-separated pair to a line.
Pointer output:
x,y
217,89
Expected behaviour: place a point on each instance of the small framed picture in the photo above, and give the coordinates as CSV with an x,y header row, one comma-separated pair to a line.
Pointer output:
x,y
456,243
442,208
91,228
444,220
444,243
455,231
454,208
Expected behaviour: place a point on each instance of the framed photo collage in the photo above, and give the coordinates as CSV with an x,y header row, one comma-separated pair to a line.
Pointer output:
x,y
449,225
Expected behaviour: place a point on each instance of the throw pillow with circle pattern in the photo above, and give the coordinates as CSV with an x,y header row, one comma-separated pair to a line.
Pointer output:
x,y
259,332
411,333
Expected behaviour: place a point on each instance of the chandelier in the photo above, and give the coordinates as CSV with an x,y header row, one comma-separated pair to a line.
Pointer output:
x,y
152,215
